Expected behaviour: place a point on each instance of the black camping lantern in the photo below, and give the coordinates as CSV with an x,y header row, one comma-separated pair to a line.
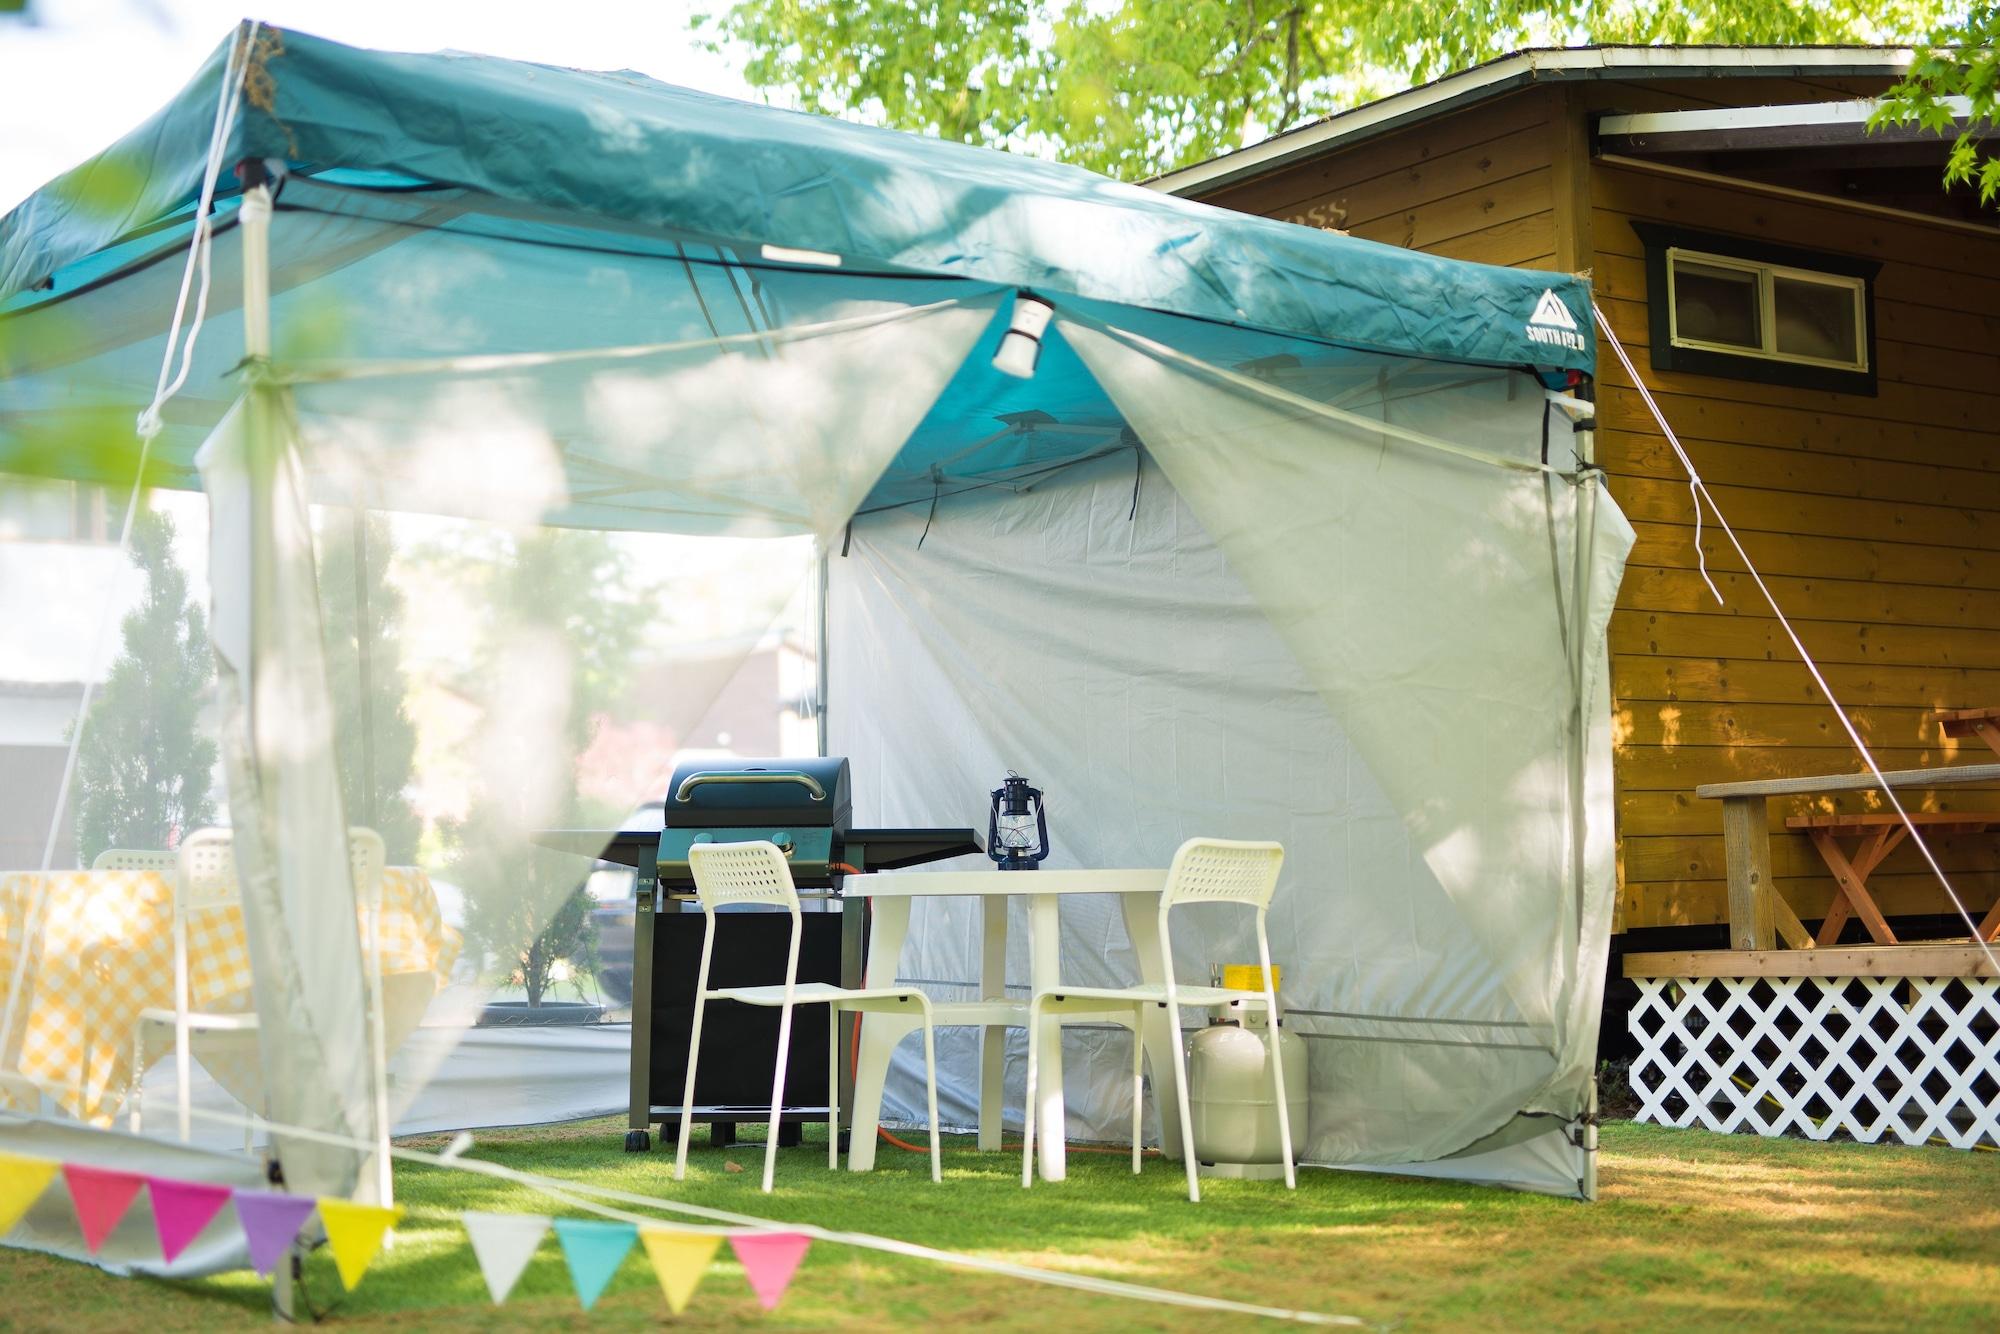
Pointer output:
x,y
1017,833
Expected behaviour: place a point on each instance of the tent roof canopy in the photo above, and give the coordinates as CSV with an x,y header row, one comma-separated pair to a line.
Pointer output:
x,y
622,147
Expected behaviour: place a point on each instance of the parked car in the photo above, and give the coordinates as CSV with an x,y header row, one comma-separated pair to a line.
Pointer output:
x,y
614,889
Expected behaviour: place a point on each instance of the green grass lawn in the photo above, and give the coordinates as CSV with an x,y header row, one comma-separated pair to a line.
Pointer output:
x,y
1692,1231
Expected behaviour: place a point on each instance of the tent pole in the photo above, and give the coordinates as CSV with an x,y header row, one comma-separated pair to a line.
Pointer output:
x,y
819,649
364,634
254,230
1585,524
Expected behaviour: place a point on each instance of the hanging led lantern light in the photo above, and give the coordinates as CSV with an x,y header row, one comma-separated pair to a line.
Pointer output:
x,y
1017,832
1021,349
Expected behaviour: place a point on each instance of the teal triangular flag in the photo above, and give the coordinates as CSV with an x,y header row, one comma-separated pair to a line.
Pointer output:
x,y
593,1251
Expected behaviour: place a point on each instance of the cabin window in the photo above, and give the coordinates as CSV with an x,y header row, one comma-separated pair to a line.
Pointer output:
x,y
1748,310
37,510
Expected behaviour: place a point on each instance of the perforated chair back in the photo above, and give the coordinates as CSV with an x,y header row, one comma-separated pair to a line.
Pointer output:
x,y
135,859
730,873
365,858
206,865
1217,870
1224,871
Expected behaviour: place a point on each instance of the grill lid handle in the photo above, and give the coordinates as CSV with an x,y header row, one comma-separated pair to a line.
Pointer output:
x,y
807,781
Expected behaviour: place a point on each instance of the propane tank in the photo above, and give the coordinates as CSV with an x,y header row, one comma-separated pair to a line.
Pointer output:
x,y
1229,1093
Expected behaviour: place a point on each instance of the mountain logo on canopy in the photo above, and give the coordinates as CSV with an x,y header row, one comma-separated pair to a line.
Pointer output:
x,y
1553,324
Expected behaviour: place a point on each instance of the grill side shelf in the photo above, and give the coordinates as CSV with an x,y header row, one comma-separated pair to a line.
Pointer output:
x,y
895,849
626,847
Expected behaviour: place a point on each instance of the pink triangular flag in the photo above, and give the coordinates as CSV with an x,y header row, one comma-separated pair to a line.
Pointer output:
x,y
270,1223
101,1198
181,1209
769,1261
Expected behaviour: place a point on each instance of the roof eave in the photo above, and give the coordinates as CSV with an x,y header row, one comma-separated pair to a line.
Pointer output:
x,y
1509,72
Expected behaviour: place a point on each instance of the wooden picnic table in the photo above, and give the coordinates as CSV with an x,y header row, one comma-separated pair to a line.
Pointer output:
x,y
1982,723
1758,915
1880,834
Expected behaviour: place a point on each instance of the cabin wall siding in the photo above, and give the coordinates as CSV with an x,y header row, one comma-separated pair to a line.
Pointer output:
x,y
1471,186
1875,520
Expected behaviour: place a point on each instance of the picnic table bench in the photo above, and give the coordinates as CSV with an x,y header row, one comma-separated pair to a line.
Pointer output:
x,y
1758,915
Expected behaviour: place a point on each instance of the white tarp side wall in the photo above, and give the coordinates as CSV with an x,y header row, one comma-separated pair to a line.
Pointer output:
x,y
133,1246
1120,663
284,796
1424,597
1548,1162
478,1078
1608,536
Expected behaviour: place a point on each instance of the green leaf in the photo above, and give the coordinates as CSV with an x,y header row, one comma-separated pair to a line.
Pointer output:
x,y
1137,87
1962,63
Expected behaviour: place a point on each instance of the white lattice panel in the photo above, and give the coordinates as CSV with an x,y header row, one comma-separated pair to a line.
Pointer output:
x,y
1916,1059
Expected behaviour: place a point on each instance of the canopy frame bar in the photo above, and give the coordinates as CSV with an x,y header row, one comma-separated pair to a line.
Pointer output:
x,y
1352,420
494,363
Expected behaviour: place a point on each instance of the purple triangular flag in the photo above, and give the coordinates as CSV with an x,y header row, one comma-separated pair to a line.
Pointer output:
x,y
181,1209
270,1222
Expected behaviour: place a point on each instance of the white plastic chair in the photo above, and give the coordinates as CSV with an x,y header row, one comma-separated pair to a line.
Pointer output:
x,y
204,880
731,873
136,859
1204,870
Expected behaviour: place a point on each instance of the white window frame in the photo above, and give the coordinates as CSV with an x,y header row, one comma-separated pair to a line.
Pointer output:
x,y
1766,276
84,513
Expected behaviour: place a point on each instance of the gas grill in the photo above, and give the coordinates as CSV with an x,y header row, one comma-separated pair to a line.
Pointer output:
x,y
805,807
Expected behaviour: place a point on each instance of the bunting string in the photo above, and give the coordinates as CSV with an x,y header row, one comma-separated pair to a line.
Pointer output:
x,y
769,1251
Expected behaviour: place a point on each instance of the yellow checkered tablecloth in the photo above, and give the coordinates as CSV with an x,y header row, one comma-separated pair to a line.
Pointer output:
x,y
104,952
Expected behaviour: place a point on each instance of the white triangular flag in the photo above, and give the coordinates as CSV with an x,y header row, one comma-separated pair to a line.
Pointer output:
x,y
504,1244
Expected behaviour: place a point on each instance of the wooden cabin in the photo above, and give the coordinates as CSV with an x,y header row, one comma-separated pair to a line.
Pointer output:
x,y
1820,320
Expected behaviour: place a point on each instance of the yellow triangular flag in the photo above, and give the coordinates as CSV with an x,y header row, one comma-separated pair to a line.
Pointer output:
x,y
22,1181
354,1232
679,1260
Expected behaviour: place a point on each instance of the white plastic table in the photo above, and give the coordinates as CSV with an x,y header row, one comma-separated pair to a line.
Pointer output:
x,y
890,894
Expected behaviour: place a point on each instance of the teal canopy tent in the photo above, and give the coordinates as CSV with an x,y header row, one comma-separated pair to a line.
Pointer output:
x,y
552,172
1310,518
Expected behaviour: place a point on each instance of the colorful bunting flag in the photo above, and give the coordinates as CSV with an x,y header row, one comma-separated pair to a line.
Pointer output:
x,y
504,1243
22,1181
181,1209
101,1198
769,1261
593,1250
271,1222
354,1233
679,1260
